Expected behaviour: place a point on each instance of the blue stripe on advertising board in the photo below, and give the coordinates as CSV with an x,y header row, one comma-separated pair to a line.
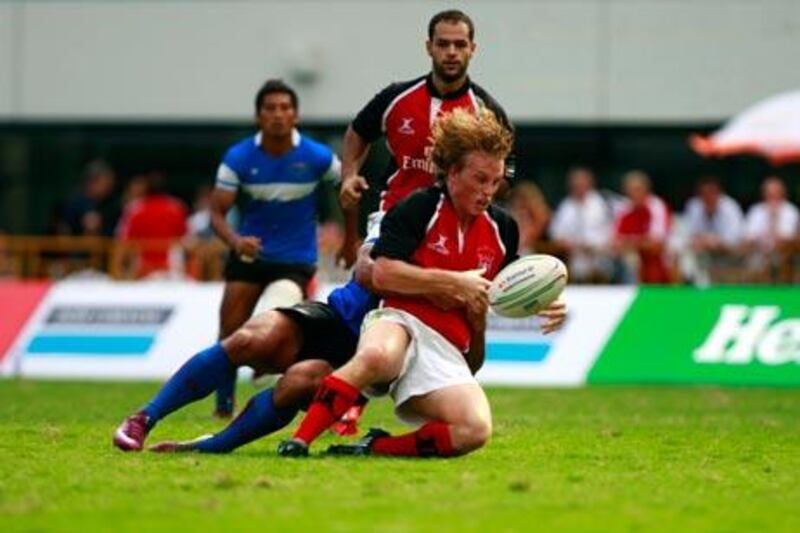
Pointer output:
x,y
90,345
521,352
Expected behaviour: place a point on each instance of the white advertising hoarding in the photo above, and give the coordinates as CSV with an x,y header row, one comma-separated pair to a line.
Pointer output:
x,y
146,330
141,330
518,354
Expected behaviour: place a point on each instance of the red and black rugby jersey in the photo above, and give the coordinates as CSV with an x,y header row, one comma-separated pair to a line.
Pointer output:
x,y
423,230
404,113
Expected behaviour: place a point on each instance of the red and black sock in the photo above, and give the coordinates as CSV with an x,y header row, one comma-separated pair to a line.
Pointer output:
x,y
361,401
431,440
333,398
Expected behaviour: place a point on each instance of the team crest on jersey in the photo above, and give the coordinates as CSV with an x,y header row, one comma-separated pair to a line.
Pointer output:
x,y
486,257
298,169
440,246
405,128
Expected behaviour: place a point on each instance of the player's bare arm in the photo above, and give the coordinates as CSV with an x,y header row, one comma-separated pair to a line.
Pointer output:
x,y
362,270
399,277
354,153
477,349
221,203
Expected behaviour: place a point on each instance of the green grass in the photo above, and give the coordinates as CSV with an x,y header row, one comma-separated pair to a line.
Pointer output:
x,y
597,458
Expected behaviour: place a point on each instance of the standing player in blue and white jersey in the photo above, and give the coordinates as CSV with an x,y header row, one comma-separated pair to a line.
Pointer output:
x,y
275,248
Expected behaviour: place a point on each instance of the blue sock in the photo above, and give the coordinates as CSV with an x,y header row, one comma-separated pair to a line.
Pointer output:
x,y
196,379
260,417
226,393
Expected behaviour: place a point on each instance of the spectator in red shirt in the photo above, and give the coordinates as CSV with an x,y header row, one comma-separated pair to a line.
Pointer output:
x,y
157,220
642,228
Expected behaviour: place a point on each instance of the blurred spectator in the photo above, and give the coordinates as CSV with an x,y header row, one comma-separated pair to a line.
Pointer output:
x,y
200,219
205,252
92,210
714,219
92,223
160,219
330,239
583,225
771,226
530,209
135,189
641,230
714,226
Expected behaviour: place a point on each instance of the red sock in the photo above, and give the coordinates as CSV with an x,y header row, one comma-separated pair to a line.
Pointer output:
x,y
333,398
431,440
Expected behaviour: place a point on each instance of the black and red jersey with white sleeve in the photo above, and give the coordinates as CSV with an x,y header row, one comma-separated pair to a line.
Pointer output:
x,y
404,114
424,230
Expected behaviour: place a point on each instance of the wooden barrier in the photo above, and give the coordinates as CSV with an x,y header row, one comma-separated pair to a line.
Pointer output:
x,y
32,257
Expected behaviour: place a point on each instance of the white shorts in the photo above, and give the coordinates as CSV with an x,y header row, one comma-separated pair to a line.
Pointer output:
x,y
431,363
373,227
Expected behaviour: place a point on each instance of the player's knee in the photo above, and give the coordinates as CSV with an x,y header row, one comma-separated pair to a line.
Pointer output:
x,y
298,385
375,363
256,337
237,344
243,345
472,435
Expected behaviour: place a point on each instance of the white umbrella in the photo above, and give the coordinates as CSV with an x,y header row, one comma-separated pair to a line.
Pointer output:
x,y
770,128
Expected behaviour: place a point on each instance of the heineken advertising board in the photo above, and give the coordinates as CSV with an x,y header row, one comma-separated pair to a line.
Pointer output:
x,y
725,336
642,335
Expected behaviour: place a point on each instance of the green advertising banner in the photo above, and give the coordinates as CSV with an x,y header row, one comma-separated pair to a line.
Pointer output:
x,y
725,336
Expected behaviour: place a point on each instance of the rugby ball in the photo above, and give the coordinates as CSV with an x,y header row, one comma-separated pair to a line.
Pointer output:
x,y
527,285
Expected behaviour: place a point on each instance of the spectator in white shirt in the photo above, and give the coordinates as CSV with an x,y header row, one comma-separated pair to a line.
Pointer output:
x,y
773,223
714,220
771,228
714,226
582,225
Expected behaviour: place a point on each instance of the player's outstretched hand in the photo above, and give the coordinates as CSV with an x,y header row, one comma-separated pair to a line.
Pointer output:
x,y
248,247
555,315
352,189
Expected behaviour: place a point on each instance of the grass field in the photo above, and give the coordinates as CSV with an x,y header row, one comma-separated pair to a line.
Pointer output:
x,y
598,458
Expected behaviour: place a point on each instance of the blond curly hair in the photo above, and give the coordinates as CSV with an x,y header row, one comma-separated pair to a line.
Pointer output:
x,y
459,132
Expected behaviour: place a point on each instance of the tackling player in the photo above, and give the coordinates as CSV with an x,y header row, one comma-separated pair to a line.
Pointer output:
x,y
305,342
275,248
442,244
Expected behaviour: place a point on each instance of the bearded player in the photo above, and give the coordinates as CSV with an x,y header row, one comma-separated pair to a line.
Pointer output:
x,y
404,113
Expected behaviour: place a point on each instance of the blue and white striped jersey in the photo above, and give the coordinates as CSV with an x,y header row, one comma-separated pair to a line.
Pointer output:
x,y
281,206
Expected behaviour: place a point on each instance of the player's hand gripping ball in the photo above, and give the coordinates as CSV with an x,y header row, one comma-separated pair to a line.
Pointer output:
x,y
527,286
